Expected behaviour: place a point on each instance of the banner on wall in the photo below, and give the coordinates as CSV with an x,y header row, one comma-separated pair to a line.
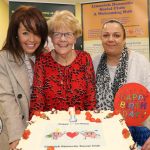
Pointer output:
x,y
132,13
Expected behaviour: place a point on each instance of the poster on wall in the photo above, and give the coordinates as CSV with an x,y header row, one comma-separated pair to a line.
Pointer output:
x,y
47,9
132,13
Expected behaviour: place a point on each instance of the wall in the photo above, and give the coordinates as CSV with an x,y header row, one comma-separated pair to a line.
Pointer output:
x,y
4,19
4,15
78,11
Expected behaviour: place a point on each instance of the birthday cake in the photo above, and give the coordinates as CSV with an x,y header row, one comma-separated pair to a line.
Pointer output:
x,y
85,130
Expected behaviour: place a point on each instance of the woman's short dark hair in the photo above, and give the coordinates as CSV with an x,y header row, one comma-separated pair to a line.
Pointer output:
x,y
33,21
118,22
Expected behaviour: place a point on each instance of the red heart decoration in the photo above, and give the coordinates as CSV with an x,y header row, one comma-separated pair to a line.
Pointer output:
x,y
72,134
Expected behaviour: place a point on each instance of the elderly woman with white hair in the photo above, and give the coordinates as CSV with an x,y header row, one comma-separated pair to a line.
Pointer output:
x,y
64,77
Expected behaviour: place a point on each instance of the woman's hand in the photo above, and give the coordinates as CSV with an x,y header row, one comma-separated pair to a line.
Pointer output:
x,y
146,145
13,145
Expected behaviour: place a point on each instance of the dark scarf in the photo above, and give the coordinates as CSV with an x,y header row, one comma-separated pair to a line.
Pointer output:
x,y
105,89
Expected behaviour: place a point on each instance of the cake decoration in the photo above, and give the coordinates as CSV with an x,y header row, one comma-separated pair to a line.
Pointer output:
x,y
125,133
77,112
72,114
26,134
50,148
86,134
55,135
91,118
92,130
41,115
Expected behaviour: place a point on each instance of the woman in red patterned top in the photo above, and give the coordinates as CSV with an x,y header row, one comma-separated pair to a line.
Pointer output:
x,y
63,77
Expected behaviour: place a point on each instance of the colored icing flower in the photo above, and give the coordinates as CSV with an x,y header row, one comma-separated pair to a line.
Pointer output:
x,y
125,133
26,134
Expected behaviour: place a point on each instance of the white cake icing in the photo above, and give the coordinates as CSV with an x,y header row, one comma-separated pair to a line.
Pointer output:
x,y
61,134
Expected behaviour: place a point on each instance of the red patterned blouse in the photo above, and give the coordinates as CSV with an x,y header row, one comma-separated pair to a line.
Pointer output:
x,y
61,87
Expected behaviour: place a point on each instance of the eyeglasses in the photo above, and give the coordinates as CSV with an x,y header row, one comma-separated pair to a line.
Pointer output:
x,y
60,34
